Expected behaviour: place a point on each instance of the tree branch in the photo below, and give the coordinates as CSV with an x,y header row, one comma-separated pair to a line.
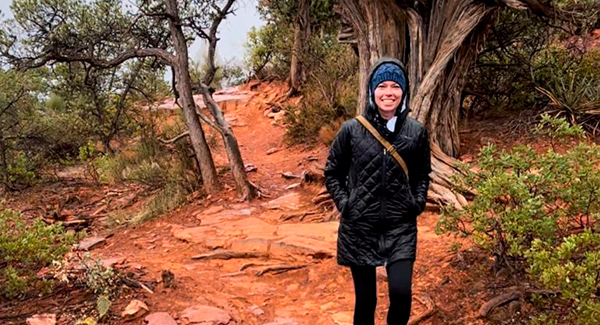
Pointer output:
x,y
53,55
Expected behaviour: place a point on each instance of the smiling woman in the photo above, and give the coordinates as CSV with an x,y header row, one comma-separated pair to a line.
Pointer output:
x,y
388,96
377,173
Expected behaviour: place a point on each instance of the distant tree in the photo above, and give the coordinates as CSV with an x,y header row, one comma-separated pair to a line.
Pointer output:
x,y
104,98
305,17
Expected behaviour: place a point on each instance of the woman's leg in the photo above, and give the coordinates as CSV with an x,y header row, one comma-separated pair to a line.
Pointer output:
x,y
400,281
365,289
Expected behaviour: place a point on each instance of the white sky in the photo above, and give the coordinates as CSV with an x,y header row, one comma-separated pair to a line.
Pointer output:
x,y
232,31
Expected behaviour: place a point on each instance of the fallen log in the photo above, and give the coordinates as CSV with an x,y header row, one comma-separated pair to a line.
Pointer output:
x,y
222,254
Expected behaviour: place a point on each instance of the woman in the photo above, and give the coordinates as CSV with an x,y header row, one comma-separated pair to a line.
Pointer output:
x,y
379,202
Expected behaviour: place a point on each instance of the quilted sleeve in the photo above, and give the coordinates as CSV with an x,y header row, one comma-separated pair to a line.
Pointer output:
x,y
337,166
419,179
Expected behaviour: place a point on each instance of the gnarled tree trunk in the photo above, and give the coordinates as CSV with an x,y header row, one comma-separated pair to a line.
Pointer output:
x,y
438,40
184,87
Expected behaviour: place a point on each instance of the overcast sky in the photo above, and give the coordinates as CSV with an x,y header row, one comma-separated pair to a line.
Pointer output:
x,y
232,32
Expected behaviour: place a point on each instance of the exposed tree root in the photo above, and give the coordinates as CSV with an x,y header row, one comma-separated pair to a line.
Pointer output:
x,y
222,254
248,265
498,301
426,300
301,215
278,269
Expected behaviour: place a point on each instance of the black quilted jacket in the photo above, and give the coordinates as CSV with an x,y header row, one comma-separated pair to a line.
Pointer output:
x,y
378,203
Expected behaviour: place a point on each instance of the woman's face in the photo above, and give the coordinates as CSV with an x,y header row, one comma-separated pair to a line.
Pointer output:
x,y
388,96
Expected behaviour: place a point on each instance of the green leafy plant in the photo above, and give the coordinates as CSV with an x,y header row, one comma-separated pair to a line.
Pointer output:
x,y
26,247
538,212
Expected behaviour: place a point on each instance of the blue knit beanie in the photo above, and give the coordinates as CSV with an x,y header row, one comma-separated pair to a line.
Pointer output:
x,y
388,72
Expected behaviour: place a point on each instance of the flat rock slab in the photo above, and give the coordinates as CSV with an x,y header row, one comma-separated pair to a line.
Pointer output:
x,y
325,231
252,244
249,226
252,234
160,319
113,261
297,245
283,321
91,242
213,210
291,201
205,315
342,318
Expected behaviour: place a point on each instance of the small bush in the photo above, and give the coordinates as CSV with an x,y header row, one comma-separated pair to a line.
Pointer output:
x,y
168,174
539,212
27,247
21,170
330,95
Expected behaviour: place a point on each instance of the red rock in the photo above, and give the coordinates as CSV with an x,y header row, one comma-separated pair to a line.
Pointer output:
x,y
303,246
135,309
160,319
111,262
42,319
283,321
205,315
213,210
91,242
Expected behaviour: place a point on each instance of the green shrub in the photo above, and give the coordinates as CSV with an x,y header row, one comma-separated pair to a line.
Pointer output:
x,y
329,95
570,267
22,170
571,85
528,210
27,247
167,173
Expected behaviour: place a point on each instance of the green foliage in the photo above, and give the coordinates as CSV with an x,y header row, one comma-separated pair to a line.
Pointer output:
x,y
27,247
100,279
270,47
103,304
269,50
330,94
572,87
167,173
529,209
22,170
570,267
103,281
524,53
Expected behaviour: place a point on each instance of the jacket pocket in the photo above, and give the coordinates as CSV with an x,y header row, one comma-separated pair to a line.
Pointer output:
x,y
415,210
346,209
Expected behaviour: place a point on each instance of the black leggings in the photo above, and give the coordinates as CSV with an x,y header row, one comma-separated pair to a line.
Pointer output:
x,y
365,286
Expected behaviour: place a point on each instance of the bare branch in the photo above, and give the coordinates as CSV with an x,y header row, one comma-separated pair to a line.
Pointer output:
x,y
175,139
